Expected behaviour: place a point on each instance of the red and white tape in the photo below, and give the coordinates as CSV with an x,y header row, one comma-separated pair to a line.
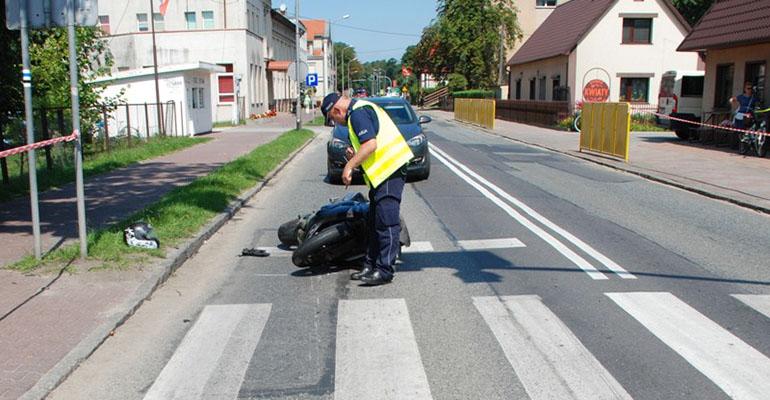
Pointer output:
x,y
723,127
37,145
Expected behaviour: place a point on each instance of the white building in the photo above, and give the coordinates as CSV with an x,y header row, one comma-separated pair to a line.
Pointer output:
x,y
615,50
186,93
320,56
282,86
234,34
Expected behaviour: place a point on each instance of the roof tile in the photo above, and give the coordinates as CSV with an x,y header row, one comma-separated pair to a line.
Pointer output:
x,y
730,23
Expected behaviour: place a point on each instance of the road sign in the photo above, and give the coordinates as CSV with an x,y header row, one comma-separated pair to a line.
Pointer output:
x,y
311,80
50,13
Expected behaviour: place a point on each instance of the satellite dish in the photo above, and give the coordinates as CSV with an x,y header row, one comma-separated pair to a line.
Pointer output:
x,y
282,8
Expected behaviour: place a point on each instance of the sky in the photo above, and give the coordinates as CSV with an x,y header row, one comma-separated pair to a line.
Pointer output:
x,y
405,17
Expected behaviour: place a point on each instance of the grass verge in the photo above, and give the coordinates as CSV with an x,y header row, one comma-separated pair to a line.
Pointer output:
x,y
182,211
93,164
317,121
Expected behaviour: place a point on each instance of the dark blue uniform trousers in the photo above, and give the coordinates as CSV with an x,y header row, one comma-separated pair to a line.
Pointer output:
x,y
384,224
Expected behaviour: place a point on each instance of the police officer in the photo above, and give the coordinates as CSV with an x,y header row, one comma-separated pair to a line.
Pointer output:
x,y
381,151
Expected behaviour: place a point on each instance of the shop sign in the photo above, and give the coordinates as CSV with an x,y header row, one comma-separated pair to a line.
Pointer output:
x,y
596,91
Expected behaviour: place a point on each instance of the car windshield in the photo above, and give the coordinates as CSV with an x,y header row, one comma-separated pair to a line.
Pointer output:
x,y
399,113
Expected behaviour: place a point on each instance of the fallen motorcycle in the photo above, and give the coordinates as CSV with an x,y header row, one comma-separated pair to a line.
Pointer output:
x,y
335,234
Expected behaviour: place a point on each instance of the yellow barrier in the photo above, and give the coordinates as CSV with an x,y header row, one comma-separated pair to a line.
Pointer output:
x,y
476,111
605,128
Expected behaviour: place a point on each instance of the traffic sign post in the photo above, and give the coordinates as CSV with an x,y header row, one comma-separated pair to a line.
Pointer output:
x,y
37,14
311,80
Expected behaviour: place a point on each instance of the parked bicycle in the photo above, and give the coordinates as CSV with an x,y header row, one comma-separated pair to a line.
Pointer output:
x,y
576,118
755,138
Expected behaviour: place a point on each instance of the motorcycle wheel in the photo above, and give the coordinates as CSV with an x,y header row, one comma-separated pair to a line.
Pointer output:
x,y
287,232
762,144
743,144
318,250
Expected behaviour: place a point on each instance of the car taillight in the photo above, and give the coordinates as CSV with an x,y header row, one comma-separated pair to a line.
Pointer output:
x,y
676,104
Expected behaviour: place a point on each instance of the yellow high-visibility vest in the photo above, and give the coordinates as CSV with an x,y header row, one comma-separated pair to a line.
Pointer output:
x,y
392,150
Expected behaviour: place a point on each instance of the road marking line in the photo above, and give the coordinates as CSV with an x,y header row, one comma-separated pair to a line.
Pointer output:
x,y
737,368
505,243
213,357
377,355
611,265
759,302
556,244
418,247
547,357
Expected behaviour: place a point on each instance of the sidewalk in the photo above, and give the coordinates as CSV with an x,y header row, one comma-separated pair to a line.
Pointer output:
x,y
48,321
713,171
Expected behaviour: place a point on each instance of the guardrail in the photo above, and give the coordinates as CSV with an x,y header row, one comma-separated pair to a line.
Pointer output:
x,y
606,128
476,111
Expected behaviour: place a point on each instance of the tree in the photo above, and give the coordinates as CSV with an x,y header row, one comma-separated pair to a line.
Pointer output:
x,y
49,56
466,38
347,64
10,84
692,10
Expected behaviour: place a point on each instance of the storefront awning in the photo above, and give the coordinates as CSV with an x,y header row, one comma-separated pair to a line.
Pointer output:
x,y
278,65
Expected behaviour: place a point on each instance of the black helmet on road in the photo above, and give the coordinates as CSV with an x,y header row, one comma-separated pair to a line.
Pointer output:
x,y
140,234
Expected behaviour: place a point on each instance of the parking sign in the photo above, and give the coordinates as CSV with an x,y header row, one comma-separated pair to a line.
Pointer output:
x,y
311,80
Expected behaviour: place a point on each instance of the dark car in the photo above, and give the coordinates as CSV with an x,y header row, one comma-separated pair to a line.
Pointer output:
x,y
411,128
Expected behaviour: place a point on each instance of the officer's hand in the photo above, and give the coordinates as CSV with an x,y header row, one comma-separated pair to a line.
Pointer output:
x,y
347,176
349,153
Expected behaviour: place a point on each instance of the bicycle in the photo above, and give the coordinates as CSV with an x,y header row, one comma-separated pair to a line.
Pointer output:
x,y
576,118
755,138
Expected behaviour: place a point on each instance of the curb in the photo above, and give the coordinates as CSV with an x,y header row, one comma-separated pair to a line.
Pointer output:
x,y
163,271
630,170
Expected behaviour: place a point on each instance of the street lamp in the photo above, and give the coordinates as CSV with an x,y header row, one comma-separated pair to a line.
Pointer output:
x,y
342,63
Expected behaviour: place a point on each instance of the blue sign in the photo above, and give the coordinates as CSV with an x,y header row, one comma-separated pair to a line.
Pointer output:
x,y
311,80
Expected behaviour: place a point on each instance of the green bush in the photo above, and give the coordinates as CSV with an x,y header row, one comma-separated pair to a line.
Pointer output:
x,y
456,82
474,94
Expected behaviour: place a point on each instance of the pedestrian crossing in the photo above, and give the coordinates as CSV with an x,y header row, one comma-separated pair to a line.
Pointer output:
x,y
549,360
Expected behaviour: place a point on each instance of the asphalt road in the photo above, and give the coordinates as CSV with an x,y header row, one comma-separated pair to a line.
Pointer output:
x,y
535,275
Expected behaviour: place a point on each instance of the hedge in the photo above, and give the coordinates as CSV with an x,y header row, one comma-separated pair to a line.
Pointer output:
x,y
474,94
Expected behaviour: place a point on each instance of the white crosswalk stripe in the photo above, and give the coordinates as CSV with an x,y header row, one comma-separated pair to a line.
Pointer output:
x,y
504,243
376,335
418,247
546,356
737,368
759,302
213,357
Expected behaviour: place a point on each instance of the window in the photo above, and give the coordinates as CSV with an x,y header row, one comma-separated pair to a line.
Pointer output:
x,y
104,24
532,89
637,30
226,86
635,90
141,23
189,17
556,81
724,86
541,91
546,3
208,19
160,22
518,89
755,73
692,86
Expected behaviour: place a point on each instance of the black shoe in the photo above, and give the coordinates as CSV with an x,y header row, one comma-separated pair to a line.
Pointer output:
x,y
356,276
376,278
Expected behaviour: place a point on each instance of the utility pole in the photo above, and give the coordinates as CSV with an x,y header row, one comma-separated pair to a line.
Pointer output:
x,y
342,67
30,124
155,70
296,65
80,192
